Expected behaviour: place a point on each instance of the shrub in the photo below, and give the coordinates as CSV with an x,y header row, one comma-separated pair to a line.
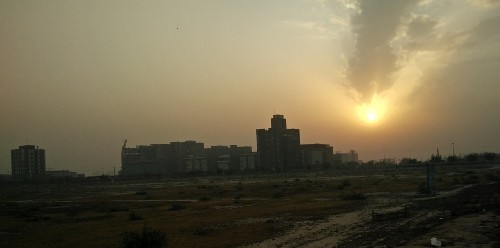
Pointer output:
x,y
493,177
205,198
204,230
148,237
134,216
471,179
344,184
277,195
176,206
422,188
353,196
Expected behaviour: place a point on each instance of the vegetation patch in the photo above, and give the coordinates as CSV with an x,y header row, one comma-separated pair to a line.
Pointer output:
x,y
147,237
134,216
176,206
353,196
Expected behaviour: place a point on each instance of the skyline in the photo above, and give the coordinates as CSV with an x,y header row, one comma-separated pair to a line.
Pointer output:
x,y
77,78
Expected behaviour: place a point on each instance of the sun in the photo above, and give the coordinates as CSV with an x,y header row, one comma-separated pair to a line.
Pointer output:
x,y
371,116
373,111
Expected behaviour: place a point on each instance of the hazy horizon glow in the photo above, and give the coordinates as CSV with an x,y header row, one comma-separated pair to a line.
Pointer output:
x,y
77,78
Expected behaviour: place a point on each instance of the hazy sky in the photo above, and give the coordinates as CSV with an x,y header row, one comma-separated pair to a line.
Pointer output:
x,y
78,77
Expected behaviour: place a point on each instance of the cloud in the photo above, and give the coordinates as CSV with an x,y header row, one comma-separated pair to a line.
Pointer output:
x,y
468,73
374,61
484,32
485,4
421,26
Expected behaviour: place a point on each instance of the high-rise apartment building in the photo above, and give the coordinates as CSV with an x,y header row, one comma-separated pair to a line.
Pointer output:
x,y
158,159
278,148
28,162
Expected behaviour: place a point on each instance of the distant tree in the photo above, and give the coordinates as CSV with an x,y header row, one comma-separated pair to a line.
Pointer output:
x,y
352,163
436,158
451,159
489,156
371,162
472,157
408,161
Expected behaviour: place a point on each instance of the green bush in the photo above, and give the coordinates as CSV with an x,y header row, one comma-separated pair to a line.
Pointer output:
x,y
148,237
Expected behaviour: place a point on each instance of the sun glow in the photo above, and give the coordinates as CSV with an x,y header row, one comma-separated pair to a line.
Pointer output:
x,y
372,112
371,116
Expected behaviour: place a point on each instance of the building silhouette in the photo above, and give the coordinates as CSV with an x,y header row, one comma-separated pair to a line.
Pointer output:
x,y
345,157
278,148
316,155
62,174
158,159
28,162
184,157
225,158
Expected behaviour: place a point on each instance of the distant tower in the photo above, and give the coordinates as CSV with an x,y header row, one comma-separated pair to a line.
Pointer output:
x,y
278,148
28,162
278,122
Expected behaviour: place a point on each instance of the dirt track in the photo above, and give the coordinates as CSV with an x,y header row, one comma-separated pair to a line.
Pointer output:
x,y
465,217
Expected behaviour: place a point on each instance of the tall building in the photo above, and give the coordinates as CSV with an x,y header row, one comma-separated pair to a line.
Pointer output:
x,y
278,148
28,162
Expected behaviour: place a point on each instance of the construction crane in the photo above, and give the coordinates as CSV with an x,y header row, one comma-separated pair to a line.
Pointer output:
x,y
124,144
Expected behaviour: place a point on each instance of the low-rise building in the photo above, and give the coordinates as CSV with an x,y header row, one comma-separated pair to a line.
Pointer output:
x,y
53,174
196,164
345,157
316,155
248,162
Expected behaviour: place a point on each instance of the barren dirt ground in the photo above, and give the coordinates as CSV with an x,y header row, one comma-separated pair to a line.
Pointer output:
x,y
357,207
467,217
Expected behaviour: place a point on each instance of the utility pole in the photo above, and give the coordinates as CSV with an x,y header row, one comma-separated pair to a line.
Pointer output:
x,y
453,144
384,155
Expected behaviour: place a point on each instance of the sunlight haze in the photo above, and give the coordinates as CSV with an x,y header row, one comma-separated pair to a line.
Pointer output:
x,y
384,78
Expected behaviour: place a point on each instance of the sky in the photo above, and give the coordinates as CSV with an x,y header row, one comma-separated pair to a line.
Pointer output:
x,y
393,78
